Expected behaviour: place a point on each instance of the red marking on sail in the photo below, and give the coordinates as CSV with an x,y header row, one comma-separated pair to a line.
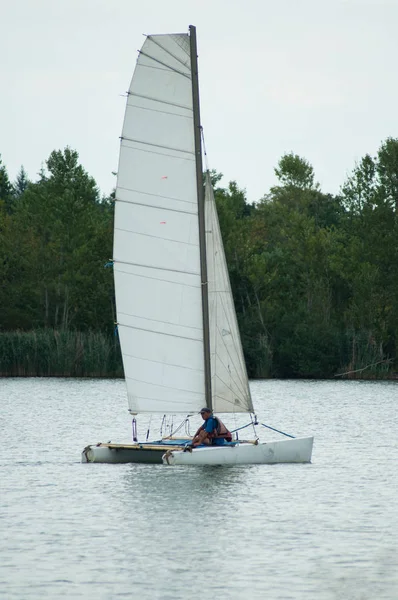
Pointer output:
x,y
164,177
163,222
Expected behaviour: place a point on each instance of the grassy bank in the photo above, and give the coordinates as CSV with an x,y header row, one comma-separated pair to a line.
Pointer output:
x,y
51,353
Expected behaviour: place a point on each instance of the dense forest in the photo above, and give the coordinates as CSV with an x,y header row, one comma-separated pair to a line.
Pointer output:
x,y
314,276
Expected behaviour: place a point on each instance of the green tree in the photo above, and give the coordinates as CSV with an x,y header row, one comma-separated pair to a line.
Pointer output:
x,y
6,189
371,256
294,171
358,191
66,230
21,182
387,170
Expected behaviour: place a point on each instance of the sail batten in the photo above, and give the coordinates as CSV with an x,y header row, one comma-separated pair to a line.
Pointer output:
x,y
160,100
159,62
166,208
158,237
155,40
157,332
156,245
140,192
174,149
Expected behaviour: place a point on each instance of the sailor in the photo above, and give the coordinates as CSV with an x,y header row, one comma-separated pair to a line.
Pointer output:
x,y
212,432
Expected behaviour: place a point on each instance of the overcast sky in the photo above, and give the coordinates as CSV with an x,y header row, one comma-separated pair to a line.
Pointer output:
x,y
316,77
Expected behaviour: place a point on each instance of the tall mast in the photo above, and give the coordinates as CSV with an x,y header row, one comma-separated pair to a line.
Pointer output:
x,y
201,213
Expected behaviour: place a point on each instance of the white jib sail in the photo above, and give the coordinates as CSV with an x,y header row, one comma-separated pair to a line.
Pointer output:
x,y
156,238
230,387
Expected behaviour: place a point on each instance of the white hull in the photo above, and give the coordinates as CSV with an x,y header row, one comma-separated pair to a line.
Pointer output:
x,y
297,450
124,453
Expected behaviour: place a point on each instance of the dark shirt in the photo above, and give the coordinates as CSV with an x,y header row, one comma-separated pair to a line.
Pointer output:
x,y
210,425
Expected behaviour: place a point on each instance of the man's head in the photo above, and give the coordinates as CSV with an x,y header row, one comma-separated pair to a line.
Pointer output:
x,y
205,413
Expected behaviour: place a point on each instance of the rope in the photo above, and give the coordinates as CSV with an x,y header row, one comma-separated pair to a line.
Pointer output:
x,y
277,430
255,422
239,428
184,422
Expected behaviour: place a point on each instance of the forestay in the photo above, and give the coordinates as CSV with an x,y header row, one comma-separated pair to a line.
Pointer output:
x,y
156,243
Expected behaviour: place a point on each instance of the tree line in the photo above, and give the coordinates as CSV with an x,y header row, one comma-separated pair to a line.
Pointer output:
x,y
314,275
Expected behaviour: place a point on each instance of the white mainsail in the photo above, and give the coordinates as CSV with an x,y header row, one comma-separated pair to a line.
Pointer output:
x,y
229,383
156,249
156,244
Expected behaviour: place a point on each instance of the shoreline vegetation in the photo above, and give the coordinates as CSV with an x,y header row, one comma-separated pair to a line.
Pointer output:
x,y
314,275
51,353
74,354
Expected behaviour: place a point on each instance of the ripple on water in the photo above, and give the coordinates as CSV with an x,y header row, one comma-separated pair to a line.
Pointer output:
x,y
322,531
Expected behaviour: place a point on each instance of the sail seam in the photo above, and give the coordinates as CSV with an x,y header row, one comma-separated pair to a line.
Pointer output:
x,y
168,323
183,284
125,262
119,187
176,402
159,62
159,153
161,362
173,335
155,68
183,212
156,237
157,145
165,387
162,112
153,99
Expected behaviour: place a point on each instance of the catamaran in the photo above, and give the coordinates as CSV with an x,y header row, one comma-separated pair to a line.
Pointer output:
x,y
176,319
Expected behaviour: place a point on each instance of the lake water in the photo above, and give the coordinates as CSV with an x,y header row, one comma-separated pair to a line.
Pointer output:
x,y
324,531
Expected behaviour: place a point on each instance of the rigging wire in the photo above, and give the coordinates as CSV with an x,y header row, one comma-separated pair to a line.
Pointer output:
x,y
204,150
185,423
277,430
254,422
162,425
149,427
187,426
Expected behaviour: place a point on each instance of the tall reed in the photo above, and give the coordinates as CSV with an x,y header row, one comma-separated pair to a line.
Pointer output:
x,y
52,353
366,358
